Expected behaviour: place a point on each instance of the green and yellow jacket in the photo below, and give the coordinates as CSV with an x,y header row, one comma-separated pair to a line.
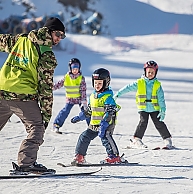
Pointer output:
x,y
26,78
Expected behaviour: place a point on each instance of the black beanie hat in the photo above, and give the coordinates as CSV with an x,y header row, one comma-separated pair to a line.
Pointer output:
x,y
54,24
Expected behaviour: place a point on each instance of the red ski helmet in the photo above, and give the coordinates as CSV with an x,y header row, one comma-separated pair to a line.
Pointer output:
x,y
151,64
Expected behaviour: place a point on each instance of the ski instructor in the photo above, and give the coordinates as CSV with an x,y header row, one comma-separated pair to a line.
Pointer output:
x,y
26,81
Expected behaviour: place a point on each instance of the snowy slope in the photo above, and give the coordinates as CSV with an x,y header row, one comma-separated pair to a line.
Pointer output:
x,y
172,6
169,172
123,19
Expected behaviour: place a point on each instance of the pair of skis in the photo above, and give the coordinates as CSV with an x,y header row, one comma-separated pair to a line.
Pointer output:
x,y
52,174
48,175
15,174
163,148
144,147
99,164
155,148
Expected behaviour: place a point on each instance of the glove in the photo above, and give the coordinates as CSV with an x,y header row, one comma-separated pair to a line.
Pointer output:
x,y
102,128
161,114
84,104
78,118
115,97
75,119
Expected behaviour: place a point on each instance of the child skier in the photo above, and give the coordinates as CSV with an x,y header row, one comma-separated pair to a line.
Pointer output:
x,y
103,111
75,87
150,102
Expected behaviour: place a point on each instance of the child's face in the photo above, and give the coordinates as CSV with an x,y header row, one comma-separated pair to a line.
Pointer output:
x,y
98,84
75,71
150,73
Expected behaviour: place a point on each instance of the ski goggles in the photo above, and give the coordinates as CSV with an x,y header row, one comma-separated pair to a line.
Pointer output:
x,y
75,65
60,35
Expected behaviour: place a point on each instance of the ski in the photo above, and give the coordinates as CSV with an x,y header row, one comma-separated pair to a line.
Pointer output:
x,y
48,175
135,148
156,148
58,132
125,163
164,148
98,164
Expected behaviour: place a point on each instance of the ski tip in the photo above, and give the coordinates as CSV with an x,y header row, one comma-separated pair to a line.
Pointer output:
x,y
167,148
99,169
60,164
156,148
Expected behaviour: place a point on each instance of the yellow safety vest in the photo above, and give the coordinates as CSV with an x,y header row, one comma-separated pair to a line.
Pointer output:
x,y
19,72
72,86
141,94
97,108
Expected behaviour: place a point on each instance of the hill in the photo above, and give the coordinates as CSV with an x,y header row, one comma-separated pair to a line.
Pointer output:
x,y
125,18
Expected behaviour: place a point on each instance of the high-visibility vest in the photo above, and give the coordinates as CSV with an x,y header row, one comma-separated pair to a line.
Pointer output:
x,y
97,108
72,86
141,98
19,72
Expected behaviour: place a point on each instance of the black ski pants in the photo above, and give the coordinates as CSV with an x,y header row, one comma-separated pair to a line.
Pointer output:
x,y
142,126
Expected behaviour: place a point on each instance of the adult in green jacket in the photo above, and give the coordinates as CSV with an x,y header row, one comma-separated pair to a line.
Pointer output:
x,y
26,81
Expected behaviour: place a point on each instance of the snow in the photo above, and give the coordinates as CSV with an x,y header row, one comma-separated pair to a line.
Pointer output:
x,y
160,171
172,6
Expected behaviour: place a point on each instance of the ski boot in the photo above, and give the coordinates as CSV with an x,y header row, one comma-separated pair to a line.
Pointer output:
x,y
137,143
32,169
168,144
56,129
79,159
113,159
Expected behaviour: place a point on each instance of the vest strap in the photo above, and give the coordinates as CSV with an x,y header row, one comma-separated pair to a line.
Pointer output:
x,y
148,100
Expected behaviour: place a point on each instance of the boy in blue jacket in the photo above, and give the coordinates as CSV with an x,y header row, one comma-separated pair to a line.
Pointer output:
x,y
150,102
102,109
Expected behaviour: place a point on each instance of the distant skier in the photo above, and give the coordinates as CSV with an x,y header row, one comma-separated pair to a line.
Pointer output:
x,y
75,87
103,112
26,81
150,102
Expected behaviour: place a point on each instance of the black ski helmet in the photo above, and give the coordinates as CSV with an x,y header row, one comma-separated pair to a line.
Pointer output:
x,y
74,61
151,64
101,74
